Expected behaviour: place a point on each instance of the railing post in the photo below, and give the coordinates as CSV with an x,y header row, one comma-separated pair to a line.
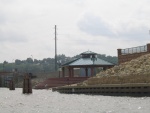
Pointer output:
x,y
27,87
119,54
148,47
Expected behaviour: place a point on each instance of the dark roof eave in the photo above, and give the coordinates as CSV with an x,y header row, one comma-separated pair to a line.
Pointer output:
x,y
88,65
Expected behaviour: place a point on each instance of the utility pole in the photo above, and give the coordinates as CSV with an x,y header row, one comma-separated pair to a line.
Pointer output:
x,y
55,49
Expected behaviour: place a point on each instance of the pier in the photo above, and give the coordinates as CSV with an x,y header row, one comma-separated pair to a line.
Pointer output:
x,y
138,89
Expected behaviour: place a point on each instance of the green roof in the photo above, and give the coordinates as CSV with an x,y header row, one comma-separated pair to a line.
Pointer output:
x,y
88,61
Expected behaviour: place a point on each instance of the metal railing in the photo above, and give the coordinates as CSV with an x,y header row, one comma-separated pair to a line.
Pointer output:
x,y
138,49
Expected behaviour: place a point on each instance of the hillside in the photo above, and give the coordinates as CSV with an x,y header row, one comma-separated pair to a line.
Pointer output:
x,y
134,71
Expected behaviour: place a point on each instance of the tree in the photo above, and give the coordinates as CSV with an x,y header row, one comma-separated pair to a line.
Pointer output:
x,y
5,62
29,60
36,61
18,62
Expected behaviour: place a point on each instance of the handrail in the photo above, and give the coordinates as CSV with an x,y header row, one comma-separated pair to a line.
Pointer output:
x,y
132,50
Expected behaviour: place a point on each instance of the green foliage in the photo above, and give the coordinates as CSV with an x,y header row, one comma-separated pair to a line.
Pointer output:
x,y
29,60
5,62
1,67
112,59
47,64
18,62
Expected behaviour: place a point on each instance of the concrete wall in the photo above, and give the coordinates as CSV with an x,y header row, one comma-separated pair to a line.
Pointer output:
x,y
132,53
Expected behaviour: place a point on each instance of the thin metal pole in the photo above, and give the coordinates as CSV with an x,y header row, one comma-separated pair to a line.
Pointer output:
x,y
55,49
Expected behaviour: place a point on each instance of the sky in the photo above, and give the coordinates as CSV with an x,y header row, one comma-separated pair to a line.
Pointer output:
x,y
102,26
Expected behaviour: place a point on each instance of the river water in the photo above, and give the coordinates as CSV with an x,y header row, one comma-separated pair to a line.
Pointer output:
x,y
46,101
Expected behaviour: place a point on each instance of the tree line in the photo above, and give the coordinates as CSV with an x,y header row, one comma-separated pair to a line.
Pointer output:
x,y
47,64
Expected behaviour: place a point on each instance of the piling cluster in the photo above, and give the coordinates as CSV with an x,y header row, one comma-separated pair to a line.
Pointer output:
x,y
27,86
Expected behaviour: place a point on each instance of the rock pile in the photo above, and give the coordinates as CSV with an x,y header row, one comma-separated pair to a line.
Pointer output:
x,y
134,71
137,66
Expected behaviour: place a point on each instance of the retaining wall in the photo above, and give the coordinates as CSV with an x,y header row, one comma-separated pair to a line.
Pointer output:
x,y
139,89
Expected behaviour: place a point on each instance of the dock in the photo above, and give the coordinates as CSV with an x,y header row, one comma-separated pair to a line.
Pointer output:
x,y
136,89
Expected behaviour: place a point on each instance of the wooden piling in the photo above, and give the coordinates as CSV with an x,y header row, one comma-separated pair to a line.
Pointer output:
x,y
11,85
27,87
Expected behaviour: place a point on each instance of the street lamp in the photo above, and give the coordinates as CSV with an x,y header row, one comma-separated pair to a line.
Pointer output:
x,y
93,58
59,64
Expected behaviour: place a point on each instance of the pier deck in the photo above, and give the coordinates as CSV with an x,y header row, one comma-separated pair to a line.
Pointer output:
x,y
138,89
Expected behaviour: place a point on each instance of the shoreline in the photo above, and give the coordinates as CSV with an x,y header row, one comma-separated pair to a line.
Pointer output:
x,y
129,89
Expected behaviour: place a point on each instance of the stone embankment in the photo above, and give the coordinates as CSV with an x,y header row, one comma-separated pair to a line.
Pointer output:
x,y
134,71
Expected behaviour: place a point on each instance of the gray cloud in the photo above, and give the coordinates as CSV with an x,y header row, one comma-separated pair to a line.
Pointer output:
x,y
10,36
76,2
2,18
133,32
94,25
7,1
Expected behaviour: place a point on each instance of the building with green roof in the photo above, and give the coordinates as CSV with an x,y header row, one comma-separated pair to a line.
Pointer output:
x,y
88,63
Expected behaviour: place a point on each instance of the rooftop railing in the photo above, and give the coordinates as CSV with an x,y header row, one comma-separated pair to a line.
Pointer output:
x,y
138,49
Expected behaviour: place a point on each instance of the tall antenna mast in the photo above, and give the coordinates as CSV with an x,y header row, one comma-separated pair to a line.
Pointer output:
x,y
55,49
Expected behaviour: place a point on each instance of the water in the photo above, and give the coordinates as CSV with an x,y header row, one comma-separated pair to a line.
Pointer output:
x,y
46,101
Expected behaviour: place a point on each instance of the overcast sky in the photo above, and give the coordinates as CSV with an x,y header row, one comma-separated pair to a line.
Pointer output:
x,y
101,26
